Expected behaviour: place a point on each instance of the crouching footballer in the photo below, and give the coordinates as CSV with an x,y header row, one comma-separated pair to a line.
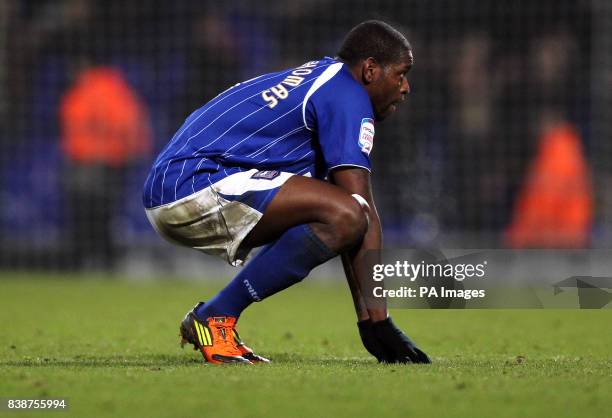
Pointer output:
x,y
283,161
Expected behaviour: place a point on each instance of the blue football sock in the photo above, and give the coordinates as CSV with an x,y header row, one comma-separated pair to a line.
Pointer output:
x,y
276,267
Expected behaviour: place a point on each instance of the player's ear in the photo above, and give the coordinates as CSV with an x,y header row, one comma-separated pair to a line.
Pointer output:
x,y
370,70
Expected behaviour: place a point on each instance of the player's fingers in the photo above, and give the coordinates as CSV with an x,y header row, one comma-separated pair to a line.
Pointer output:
x,y
372,344
400,350
423,358
409,353
404,349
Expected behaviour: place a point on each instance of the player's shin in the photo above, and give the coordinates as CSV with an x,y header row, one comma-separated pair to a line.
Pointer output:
x,y
276,267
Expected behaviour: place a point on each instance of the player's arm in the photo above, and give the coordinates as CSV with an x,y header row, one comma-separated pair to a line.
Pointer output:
x,y
378,333
358,301
357,181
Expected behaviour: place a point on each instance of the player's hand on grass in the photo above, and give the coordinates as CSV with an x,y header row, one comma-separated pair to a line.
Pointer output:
x,y
372,344
396,345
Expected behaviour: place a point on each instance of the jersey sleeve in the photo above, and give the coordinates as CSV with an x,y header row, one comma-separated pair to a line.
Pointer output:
x,y
341,114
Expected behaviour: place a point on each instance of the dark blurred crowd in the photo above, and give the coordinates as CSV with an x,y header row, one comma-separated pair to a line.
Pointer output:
x,y
499,113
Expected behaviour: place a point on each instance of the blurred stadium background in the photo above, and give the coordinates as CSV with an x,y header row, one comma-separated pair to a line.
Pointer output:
x,y
505,141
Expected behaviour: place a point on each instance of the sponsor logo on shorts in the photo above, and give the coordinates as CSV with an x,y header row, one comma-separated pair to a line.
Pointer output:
x,y
266,174
366,135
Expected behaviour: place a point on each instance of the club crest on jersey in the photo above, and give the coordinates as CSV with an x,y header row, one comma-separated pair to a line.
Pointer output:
x,y
366,135
266,174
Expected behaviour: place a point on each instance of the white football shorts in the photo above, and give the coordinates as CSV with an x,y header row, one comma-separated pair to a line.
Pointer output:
x,y
215,220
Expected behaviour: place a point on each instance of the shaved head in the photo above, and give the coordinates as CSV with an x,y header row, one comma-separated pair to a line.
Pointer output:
x,y
375,39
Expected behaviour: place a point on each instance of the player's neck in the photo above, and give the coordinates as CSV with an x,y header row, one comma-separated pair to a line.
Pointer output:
x,y
354,70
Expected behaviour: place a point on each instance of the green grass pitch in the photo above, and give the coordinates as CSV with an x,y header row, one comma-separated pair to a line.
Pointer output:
x,y
111,348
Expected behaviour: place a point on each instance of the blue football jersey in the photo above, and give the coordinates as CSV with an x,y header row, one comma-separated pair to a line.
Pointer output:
x,y
305,120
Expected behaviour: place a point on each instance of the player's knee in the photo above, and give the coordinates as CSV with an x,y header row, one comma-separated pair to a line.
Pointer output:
x,y
351,224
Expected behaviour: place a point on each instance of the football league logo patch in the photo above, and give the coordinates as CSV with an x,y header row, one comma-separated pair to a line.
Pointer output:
x,y
366,135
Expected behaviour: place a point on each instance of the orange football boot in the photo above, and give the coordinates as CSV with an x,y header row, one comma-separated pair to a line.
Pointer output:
x,y
246,352
213,337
